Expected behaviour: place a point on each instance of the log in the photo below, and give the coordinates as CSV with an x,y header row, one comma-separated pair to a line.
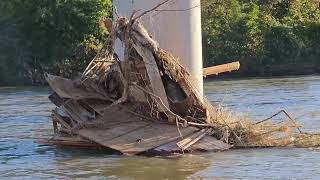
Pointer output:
x,y
215,70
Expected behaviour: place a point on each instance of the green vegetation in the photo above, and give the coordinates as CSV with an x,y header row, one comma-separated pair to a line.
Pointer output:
x,y
58,36
271,37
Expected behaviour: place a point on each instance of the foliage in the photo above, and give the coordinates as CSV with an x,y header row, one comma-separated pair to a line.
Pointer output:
x,y
270,37
263,35
41,35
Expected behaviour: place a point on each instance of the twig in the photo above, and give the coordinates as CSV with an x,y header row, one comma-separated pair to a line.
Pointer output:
x,y
197,124
294,121
133,14
177,123
237,137
148,11
269,117
175,10
282,111
142,116
115,10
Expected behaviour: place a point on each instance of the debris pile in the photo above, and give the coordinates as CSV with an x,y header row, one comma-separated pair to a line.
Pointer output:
x,y
147,103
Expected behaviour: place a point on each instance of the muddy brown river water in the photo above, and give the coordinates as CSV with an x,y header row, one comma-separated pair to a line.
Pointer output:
x,y
25,115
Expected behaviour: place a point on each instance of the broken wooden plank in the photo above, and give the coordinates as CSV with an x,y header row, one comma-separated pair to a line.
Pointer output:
x,y
65,88
215,70
99,106
116,122
72,141
135,137
153,73
195,139
56,99
77,112
57,118
207,143
188,139
148,138
104,135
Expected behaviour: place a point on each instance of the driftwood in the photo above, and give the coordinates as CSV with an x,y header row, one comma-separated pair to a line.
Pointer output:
x,y
215,70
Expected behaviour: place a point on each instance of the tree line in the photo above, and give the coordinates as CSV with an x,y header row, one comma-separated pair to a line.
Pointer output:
x,y
269,37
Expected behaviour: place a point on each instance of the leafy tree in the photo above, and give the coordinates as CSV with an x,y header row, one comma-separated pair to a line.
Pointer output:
x,y
262,34
43,34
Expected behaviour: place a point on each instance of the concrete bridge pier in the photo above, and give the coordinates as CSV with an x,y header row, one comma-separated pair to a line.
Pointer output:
x,y
176,26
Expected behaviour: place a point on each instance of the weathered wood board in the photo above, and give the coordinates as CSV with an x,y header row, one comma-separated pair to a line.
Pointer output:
x,y
77,112
104,135
153,73
98,106
208,143
65,88
72,141
136,136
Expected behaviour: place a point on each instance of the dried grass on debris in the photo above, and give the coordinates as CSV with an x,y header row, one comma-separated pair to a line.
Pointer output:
x,y
243,132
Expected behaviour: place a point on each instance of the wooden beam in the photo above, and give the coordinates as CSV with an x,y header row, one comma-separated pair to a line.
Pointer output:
x,y
215,70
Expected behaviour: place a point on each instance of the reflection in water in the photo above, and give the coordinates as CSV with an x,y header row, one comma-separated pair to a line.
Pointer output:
x,y
25,115
158,168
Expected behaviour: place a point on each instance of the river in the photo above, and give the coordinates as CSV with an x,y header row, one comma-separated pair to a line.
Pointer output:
x,y
25,115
